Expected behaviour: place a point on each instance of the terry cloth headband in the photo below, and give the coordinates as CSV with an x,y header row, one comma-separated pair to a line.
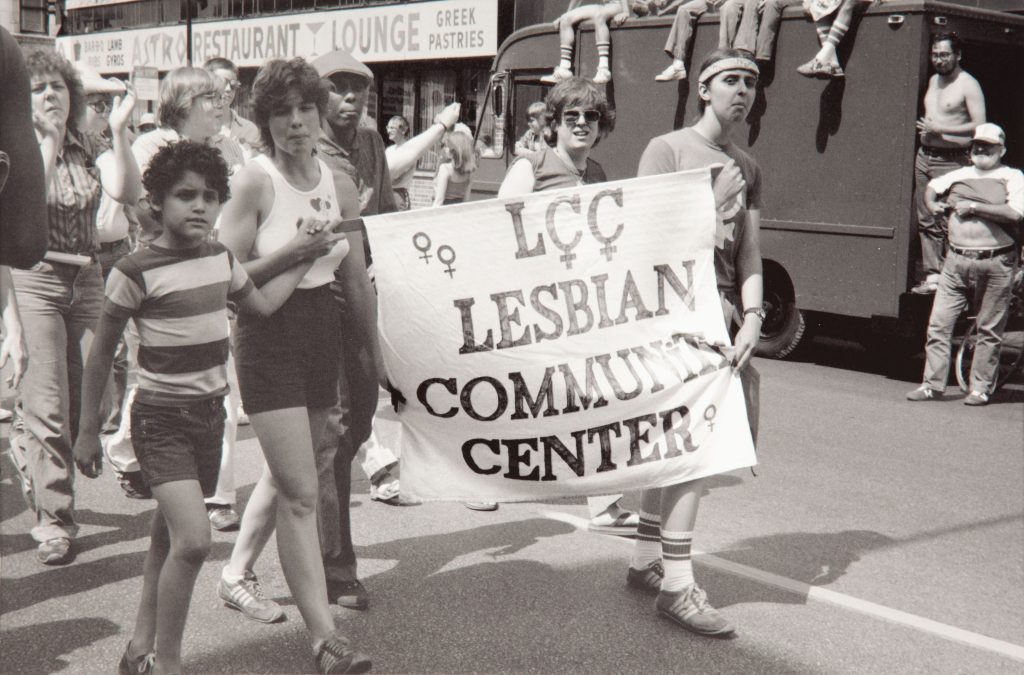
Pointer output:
x,y
735,63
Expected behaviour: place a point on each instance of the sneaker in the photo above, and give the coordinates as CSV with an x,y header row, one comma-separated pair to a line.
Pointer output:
x,y
222,518
390,492
690,609
134,485
351,594
925,288
615,521
482,506
557,76
5,415
602,76
976,398
810,69
243,419
336,655
139,665
924,393
246,595
673,72
648,579
56,551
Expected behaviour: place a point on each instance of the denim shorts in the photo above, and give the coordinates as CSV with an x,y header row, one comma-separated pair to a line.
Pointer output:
x,y
290,359
180,442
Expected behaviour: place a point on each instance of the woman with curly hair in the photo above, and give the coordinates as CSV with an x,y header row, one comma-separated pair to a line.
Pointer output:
x,y
60,298
288,363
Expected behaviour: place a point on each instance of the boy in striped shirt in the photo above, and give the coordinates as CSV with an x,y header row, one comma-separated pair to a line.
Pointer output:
x,y
176,290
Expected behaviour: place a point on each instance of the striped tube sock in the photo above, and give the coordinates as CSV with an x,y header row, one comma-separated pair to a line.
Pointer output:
x,y
565,54
647,546
675,556
836,33
603,50
823,31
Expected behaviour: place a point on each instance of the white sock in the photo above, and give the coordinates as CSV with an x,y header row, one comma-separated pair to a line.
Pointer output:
x,y
647,545
231,578
675,556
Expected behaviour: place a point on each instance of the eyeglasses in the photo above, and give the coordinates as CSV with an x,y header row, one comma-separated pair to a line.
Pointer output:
x,y
99,105
214,97
572,117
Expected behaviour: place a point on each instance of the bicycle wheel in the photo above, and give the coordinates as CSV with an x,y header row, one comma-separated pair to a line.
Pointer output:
x,y
1011,358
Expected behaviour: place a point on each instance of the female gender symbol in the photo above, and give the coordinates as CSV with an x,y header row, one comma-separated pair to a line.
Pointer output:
x,y
709,416
441,256
422,243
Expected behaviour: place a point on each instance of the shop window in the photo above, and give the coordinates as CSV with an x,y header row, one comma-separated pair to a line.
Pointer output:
x,y
34,18
398,97
437,89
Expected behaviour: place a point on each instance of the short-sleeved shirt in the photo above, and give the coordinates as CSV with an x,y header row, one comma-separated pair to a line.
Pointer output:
x,y
178,300
73,197
147,145
366,164
687,149
550,171
1001,185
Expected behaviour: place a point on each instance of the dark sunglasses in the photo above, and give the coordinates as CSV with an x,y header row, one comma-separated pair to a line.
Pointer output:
x,y
100,105
572,117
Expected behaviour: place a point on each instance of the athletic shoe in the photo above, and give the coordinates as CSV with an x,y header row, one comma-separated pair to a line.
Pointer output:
x,y
482,506
5,415
557,76
924,393
56,551
648,579
337,656
246,595
602,76
351,594
134,485
139,665
976,398
624,524
222,518
690,609
243,419
925,288
390,492
673,72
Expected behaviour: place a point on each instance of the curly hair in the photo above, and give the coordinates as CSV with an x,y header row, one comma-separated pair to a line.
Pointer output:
x,y
577,91
49,62
170,163
275,82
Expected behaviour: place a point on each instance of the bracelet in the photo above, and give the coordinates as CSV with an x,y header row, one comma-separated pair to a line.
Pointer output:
x,y
756,311
443,126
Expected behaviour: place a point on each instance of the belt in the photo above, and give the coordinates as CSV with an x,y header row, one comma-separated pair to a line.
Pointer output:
x,y
112,245
982,253
945,152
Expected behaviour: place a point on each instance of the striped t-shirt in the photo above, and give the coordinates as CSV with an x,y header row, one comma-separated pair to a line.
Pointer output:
x,y
178,299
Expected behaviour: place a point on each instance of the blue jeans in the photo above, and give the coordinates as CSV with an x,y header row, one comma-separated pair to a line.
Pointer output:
x,y
991,281
60,305
932,229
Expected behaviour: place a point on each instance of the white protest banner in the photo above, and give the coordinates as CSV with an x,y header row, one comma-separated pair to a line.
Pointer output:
x,y
568,342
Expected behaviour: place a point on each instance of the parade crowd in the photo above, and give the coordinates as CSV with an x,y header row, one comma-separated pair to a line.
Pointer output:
x,y
207,256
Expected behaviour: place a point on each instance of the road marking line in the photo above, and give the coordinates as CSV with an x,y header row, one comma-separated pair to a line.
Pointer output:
x,y
835,598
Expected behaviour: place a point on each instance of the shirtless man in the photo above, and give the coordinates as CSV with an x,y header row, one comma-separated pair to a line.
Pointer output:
x,y
953,106
986,204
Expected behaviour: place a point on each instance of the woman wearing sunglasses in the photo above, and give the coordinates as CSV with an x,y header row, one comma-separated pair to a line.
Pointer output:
x,y
580,117
726,86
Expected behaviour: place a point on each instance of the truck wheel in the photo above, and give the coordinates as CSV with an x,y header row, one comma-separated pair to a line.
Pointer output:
x,y
783,326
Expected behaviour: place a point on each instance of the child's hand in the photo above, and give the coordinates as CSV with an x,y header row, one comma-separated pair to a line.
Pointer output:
x,y
313,238
88,455
619,19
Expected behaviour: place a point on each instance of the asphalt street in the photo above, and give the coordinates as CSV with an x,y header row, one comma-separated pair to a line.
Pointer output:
x,y
878,536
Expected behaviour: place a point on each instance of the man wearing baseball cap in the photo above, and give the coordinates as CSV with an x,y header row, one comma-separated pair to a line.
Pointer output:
x,y
985,203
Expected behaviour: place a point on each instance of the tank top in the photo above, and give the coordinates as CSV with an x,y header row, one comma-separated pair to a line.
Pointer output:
x,y
455,193
290,204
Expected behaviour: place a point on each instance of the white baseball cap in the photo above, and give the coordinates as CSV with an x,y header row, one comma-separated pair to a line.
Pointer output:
x,y
989,133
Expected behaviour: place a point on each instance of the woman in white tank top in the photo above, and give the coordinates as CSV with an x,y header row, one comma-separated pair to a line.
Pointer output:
x,y
284,207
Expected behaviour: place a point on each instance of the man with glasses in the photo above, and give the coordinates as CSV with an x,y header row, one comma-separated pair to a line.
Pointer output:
x,y
235,126
953,106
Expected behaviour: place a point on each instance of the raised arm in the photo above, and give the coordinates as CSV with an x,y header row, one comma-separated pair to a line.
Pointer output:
x,y
119,172
403,157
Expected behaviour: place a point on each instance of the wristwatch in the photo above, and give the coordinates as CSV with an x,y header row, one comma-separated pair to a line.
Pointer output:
x,y
756,311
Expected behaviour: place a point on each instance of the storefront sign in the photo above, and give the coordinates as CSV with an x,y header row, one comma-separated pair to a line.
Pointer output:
x,y
568,342
414,31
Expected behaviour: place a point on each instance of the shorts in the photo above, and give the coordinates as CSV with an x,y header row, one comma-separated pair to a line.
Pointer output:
x,y
181,442
290,359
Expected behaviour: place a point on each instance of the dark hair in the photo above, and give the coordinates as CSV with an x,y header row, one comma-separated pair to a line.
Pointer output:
x,y
274,84
220,63
949,36
50,62
715,55
577,91
170,163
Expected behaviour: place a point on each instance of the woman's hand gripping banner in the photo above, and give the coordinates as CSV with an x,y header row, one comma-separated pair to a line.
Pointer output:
x,y
567,342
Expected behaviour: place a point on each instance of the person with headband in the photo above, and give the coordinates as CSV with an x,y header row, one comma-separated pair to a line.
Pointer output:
x,y
726,85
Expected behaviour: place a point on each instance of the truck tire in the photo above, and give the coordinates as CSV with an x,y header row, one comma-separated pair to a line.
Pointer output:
x,y
783,326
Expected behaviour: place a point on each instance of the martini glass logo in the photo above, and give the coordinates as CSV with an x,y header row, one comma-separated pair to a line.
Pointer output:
x,y
314,28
